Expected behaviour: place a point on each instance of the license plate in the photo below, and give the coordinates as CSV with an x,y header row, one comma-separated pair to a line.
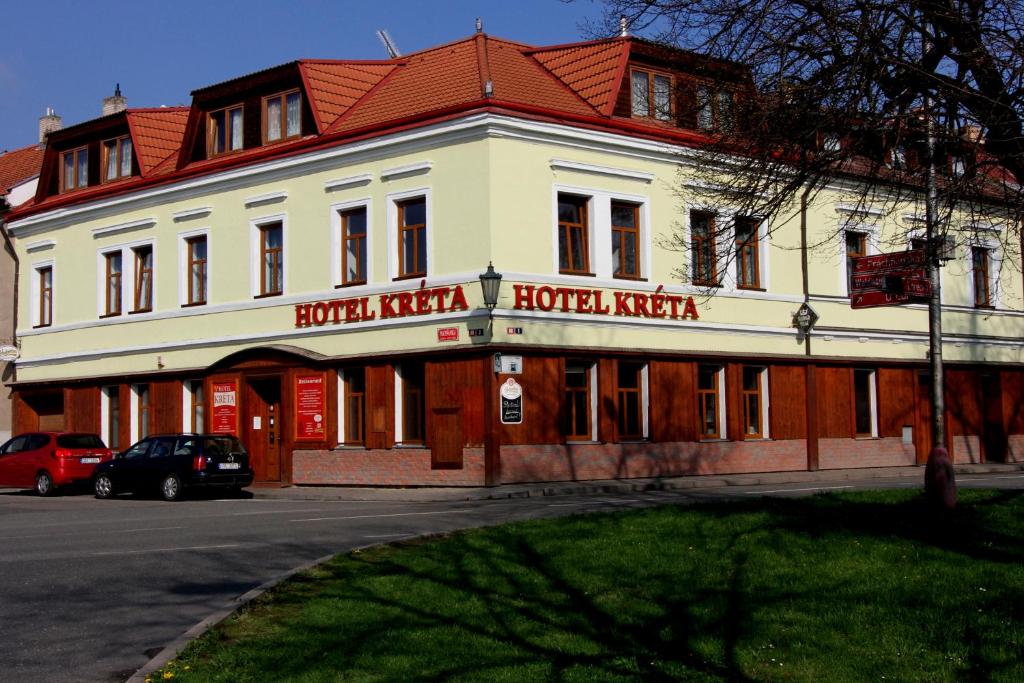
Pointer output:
x,y
89,461
229,466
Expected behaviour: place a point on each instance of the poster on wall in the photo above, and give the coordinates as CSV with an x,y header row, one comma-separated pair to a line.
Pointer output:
x,y
225,408
309,407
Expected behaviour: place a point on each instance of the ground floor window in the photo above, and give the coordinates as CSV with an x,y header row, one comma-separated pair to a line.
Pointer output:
x,y
755,402
629,404
865,406
140,411
194,406
412,407
710,408
354,397
577,416
111,424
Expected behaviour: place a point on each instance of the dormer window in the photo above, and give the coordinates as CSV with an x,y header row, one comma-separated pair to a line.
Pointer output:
x,y
225,131
651,94
282,116
117,158
74,169
714,109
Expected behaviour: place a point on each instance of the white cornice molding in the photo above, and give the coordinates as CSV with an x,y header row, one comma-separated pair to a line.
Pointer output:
x,y
123,227
567,165
407,170
859,210
266,198
350,181
40,245
186,214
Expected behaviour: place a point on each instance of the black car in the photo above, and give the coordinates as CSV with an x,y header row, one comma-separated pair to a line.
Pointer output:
x,y
172,463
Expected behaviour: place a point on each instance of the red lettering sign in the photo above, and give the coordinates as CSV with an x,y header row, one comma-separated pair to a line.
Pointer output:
x,y
399,305
627,304
447,334
225,408
310,413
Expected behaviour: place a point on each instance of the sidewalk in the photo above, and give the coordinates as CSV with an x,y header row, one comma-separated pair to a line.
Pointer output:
x,y
442,494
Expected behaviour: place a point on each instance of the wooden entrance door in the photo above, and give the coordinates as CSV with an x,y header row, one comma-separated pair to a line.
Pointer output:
x,y
994,442
263,427
923,423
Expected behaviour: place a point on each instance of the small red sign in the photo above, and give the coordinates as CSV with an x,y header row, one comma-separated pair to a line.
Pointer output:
x,y
445,334
872,299
897,260
225,408
309,407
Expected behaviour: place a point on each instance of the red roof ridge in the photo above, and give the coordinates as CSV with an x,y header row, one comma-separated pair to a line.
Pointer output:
x,y
5,152
150,110
584,43
483,67
368,62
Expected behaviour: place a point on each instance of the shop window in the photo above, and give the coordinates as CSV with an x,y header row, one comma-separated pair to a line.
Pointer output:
x,y
856,246
111,423
629,404
140,410
578,407
981,276
282,116
703,256
195,406
573,235
271,238
113,283
865,407
748,267
196,270
625,240
710,407
74,169
353,246
413,407
117,158
651,95
412,237
755,402
143,278
354,406
44,296
714,108
224,130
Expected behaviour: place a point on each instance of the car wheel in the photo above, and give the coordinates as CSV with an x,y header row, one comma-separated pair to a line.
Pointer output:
x,y
170,487
44,484
103,486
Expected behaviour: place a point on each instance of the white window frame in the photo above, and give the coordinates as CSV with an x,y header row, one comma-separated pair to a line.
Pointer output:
x,y
762,378
986,239
645,402
335,238
134,408
393,199
255,244
341,405
872,401
36,292
599,230
105,399
187,394
723,432
127,250
398,404
726,263
183,273
592,390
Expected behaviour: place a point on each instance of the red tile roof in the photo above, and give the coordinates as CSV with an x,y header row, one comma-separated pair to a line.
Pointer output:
x,y
594,70
156,134
18,166
333,86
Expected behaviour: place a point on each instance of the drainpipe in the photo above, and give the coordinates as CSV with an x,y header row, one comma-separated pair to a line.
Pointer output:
x,y
810,381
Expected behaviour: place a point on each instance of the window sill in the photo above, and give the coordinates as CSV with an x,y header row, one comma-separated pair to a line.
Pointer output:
x,y
410,276
714,440
865,437
350,447
755,439
410,445
110,315
40,327
630,278
700,283
194,304
140,310
979,307
268,295
576,273
344,285
751,289
582,443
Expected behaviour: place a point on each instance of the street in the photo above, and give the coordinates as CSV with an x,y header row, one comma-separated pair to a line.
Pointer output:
x,y
91,589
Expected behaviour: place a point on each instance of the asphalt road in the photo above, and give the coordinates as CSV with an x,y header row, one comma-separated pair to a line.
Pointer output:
x,y
91,589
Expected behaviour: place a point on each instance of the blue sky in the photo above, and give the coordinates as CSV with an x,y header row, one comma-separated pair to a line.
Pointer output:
x,y
70,56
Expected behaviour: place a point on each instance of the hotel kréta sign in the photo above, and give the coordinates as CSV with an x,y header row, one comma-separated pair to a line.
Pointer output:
x,y
225,408
425,301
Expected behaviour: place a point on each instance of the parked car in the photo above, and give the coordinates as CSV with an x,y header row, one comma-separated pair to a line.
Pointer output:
x,y
172,463
48,460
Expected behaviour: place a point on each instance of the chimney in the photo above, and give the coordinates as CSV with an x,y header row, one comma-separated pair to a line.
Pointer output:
x,y
48,123
114,103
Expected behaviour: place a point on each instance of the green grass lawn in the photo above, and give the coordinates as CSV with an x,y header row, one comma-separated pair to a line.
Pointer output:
x,y
846,587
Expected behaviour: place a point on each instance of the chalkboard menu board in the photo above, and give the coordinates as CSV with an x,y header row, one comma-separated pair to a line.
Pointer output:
x,y
511,395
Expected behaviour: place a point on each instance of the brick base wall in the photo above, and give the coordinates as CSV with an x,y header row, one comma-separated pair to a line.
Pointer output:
x,y
1015,448
834,454
395,467
966,449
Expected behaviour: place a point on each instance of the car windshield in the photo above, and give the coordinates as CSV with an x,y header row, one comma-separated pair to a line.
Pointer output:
x,y
217,446
79,441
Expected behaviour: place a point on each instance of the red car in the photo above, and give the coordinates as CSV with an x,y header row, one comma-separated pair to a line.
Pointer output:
x,y
47,460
